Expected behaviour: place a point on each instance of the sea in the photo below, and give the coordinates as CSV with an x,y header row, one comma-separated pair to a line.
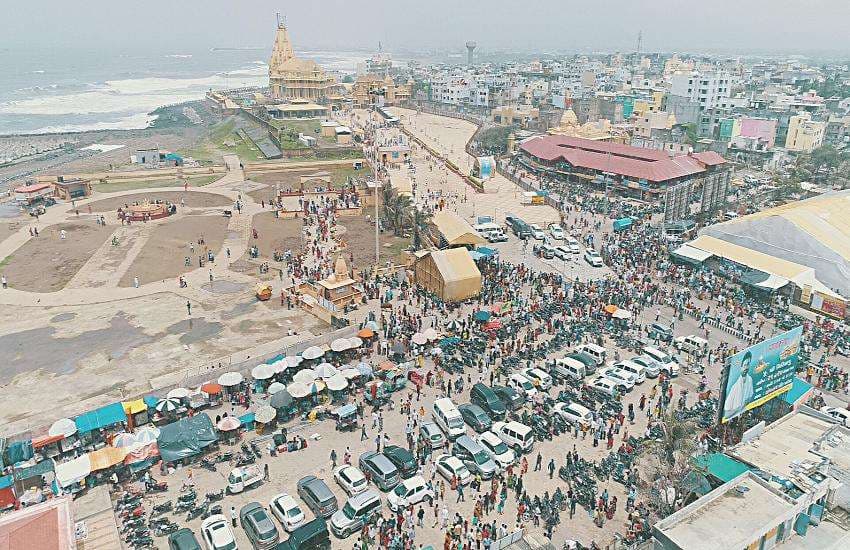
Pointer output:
x,y
50,91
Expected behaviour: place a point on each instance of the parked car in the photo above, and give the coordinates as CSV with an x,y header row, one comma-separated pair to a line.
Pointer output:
x,y
660,331
536,232
409,492
593,258
635,369
498,450
522,384
574,413
669,364
589,361
288,513
605,385
562,253
402,459
430,432
538,378
317,496
842,415
487,399
653,367
183,539
691,344
474,457
516,435
313,535
511,398
356,512
217,535
449,466
350,479
556,231
573,246
547,251
625,381
380,470
258,526
475,417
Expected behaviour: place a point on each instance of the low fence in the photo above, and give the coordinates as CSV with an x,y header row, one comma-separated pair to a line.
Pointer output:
x,y
717,323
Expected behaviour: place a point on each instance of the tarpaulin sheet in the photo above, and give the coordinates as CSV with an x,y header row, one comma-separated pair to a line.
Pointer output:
x,y
186,437
73,471
46,440
39,469
19,451
150,400
142,453
133,407
106,457
6,481
101,418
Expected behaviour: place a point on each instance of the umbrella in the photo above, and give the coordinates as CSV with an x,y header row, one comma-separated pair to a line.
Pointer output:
x,y
453,325
211,388
317,386
178,393
431,334
228,424
298,390
337,382
387,366
622,314
279,366
65,427
372,325
305,376
229,379
610,309
148,434
482,316
365,369
313,352
167,405
124,440
493,325
420,339
366,333
340,344
265,414
275,387
281,399
326,370
350,373
262,372
355,342
294,361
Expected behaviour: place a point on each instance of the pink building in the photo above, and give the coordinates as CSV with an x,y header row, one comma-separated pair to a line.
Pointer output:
x,y
759,128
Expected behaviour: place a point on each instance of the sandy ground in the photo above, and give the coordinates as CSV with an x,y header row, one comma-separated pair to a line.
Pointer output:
x,y
10,226
163,255
276,234
359,237
192,200
47,263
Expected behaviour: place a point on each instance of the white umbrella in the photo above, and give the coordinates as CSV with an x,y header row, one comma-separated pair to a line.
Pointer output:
x,y
313,352
229,379
124,440
340,344
350,373
167,405
293,361
147,434
337,382
365,369
355,342
431,334
275,387
622,314
228,424
316,386
326,370
265,414
419,339
178,393
304,376
298,390
65,427
262,372
279,366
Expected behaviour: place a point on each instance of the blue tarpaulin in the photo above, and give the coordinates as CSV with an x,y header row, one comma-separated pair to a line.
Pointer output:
x,y
186,437
486,252
6,481
622,223
34,471
101,418
19,451
150,401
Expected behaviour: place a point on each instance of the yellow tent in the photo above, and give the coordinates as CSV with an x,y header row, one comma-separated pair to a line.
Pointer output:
x,y
450,274
134,407
455,230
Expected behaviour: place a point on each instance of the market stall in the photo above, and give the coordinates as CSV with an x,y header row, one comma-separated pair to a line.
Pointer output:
x,y
186,437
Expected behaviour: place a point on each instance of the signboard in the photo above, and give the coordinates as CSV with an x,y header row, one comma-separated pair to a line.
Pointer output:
x,y
759,373
834,307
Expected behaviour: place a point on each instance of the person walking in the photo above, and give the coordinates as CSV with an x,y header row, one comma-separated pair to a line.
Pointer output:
x,y
233,515
189,307
333,458
538,463
4,281
551,467
266,471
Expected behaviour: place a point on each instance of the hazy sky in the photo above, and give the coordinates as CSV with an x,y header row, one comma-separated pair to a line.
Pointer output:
x,y
525,25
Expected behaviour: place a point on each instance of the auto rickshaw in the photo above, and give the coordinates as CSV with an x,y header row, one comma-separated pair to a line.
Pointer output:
x,y
263,291
346,417
375,393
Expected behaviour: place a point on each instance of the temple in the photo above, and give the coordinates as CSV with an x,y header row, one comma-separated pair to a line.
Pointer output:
x,y
293,78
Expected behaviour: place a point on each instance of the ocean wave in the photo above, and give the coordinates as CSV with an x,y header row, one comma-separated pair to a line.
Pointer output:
x,y
38,72
133,122
180,55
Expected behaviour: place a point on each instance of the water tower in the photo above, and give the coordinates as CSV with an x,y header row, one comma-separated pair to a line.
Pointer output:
x,y
470,48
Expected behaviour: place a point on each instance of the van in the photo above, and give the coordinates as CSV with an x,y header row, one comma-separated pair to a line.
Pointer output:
x,y
599,354
474,457
691,344
448,418
547,251
522,385
669,365
487,399
567,367
660,331
517,436
639,371
585,359
540,379
357,512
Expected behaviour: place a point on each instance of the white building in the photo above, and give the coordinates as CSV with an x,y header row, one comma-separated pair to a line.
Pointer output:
x,y
710,90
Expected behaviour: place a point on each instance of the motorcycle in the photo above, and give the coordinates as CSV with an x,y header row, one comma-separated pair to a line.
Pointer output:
x,y
158,509
187,497
216,496
167,529
198,511
156,486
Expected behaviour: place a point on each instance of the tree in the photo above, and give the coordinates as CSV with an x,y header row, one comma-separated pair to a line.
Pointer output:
x,y
495,140
419,220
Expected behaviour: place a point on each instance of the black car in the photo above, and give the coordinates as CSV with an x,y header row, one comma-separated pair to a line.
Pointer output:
x,y
183,539
511,399
310,536
586,360
402,459
317,495
487,399
475,417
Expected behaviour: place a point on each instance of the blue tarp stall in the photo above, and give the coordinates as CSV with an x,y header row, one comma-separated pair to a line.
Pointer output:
x,y
101,418
150,401
622,224
248,420
43,467
19,451
186,437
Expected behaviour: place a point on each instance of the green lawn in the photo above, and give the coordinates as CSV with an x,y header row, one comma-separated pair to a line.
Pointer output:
x,y
194,181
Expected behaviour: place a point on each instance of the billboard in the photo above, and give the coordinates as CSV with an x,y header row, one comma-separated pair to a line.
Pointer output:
x,y
759,373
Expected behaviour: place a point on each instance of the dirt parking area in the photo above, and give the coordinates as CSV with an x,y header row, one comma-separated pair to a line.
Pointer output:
x,y
276,234
46,263
359,239
192,200
339,175
163,256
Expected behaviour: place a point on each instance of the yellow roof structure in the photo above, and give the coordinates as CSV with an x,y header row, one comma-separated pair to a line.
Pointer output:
x,y
133,407
455,264
449,273
455,230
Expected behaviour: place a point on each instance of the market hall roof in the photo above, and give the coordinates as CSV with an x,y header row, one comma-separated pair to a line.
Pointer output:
x,y
626,160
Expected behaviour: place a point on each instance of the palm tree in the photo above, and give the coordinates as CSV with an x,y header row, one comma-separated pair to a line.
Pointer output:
x,y
419,220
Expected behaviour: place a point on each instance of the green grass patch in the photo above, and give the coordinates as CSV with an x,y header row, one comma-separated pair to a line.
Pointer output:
x,y
5,261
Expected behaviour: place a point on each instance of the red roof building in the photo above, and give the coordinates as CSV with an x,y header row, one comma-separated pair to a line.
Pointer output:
x,y
45,526
636,171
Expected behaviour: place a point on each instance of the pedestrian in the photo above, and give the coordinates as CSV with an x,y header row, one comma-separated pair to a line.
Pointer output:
x,y
189,307
135,282
333,458
233,516
538,463
4,281
266,471
551,467
363,436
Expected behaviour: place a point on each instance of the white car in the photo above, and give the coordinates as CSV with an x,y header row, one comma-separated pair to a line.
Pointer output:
x,y
448,466
593,258
409,492
669,364
286,510
563,253
574,413
635,369
351,479
573,246
538,378
217,535
537,233
497,449
842,415
556,231
605,385
653,367
522,384
625,380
